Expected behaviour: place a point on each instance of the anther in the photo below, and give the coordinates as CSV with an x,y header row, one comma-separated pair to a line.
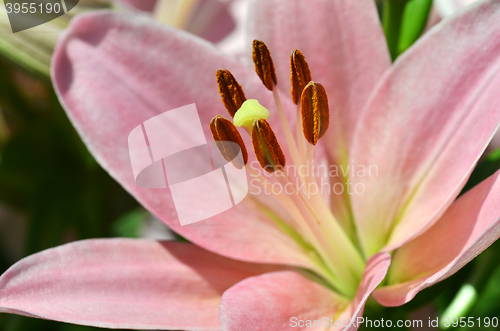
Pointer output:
x,y
266,147
223,131
315,112
231,93
300,74
264,64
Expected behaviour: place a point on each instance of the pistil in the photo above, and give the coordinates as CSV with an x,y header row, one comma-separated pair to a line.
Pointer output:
x,y
250,111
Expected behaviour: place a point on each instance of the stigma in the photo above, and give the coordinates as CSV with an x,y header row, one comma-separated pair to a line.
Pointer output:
x,y
250,111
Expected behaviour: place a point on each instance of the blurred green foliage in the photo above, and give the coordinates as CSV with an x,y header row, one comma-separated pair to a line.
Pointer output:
x,y
404,21
413,24
50,180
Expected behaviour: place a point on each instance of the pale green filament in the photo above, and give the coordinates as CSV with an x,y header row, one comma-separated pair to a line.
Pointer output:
x,y
249,111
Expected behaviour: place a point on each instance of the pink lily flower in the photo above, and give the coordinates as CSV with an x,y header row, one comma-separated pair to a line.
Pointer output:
x,y
423,121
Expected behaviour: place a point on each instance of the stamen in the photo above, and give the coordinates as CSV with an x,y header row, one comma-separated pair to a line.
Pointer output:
x,y
264,64
300,74
231,93
266,147
299,77
223,130
265,70
315,112
287,132
250,111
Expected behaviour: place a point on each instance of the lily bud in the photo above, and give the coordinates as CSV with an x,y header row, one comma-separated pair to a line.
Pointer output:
x,y
266,147
231,93
223,131
300,74
264,64
315,112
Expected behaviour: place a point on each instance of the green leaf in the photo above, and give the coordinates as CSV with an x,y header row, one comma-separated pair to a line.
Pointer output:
x,y
403,22
392,18
414,20
130,224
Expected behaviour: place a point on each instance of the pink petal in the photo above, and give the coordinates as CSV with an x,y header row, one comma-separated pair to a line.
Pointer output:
x,y
467,228
449,7
430,119
124,283
209,19
346,50
270,301
343,43
144,5
212,20
114,71
375,272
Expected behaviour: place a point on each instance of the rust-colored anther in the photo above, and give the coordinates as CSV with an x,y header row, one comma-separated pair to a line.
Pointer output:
x,y
264,64
300,74
223,130
315,112
266,147
231,93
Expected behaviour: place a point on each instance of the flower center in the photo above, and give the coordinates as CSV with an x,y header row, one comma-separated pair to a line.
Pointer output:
x,y
311,223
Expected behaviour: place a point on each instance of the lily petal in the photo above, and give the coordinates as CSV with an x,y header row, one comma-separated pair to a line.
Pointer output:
x,y
124,283
375,272
109,85
347,53
143,5
427,124
271,301
449,7
265,303
343,43
467,228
